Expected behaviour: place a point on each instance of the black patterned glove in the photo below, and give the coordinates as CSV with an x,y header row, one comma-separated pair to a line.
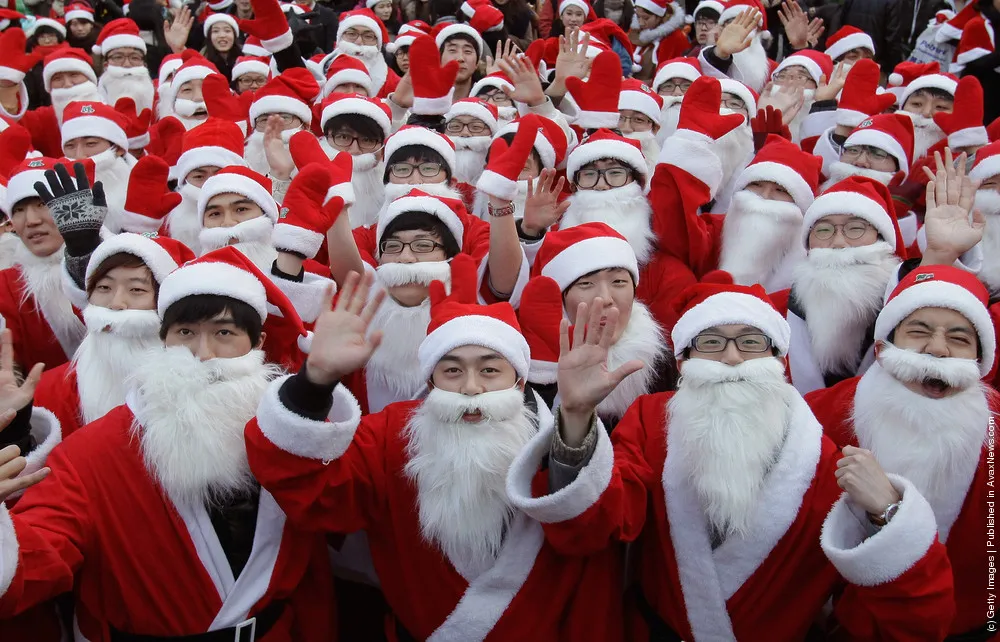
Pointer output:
x,y
77,209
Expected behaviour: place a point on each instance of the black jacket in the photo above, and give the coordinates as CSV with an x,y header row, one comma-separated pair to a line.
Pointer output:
x,y
882,21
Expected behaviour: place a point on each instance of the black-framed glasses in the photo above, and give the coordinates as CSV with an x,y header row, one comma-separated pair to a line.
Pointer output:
x,y
366,37
251,82
668,88
788,75
854,152
705,23
497,97
639,122
853,229
613,176
121,59
343,140
288,120
456,126
420,246
712,343
405,170
734,103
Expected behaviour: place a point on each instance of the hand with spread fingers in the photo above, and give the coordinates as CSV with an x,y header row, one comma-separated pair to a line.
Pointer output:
x,y
14,395
75,206
950,199
737,35
12,464
542,208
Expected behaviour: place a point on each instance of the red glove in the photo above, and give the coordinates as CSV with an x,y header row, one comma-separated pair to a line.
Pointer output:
x,y
860,98
269,24
486,18
433,84
220,102
506,163
768,122
13,43
700,110
303,221
166,137
540,313
15,141
305,150
964,125
464,287
148,199
138,123
597,97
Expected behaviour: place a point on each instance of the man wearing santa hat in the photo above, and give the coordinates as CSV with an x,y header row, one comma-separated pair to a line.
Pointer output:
x,y
173,461
361,35
470,124
802,71
640,110
347,75
921,99
426,479
491,89
738,52
879,148
849,45
672,80
123,52
987,171
418,158
728,489
923,410
250,73
184,100
463,43
736,148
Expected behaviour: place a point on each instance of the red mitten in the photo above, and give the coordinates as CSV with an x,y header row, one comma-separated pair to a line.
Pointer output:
x,y
221,102
433,84
700,110
302,220
138,123
166,138
15,144
506,163
486,18
13,43
964,125
464,288
860,99
597,97
540,314
269,24
767,122
148,199
305,150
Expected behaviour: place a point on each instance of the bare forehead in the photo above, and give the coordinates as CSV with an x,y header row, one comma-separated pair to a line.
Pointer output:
x,y
938,317
472,354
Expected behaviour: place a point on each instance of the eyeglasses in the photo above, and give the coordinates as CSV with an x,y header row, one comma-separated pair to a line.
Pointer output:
x,y
366,37
853,230
714,343
251,82
639,123
669,87
855,151
475,127
402,52
497,97
405,170
121,59
734,103
420,246
343,140
613,176
705,23
789,76
289,120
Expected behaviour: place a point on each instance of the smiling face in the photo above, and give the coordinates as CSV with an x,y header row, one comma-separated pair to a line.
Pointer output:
x,y
229,210
222,37
615,288
462,50
191,90
838,231
572,17
33,223
125,288
66,79
473,370
939,332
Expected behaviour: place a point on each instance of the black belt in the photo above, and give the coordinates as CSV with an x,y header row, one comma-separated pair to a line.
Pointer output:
x,y
249,630
981,634
659,631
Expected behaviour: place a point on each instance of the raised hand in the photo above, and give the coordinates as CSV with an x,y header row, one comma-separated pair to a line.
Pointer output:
x,y
506,162
830,88
341,343
787,100
524,77
737,35
505,49
700,110
969,107
950,198
279,160
572,61
862,478
75,207
222,103
796,24
176,31
269,24
433,83
542,208
148,199
816,29
11,465
302,224
14,396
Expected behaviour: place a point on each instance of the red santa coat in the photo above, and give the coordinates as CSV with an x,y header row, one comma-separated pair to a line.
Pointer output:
x,y
57,392
46,134
346,474
78,530
34,340
970,559
769,585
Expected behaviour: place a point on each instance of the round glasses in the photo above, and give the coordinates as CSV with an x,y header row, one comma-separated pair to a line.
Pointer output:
x,y
420,246
366,37
405,170
856,151
251,82
668,88
126,60
287,120
852,230
613,176
477,127
752,343
638,122
788,76
343,140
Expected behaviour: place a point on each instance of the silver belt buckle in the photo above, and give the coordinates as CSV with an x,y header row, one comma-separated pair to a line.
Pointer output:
x,y
251,624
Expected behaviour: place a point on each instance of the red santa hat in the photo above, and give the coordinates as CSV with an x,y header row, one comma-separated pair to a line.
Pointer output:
x,y
253,47
597,98
374,108
605,143
783,162
77,11
484,111
14,62
121,32
864,198
717,301
251,65
169,66
816,63
847,38
603,33
363,18
857,102
683,68
407,34
243,181
416,135
736,7
551,145
655,7
941,286
977,41
987,162
497,79
458,320
945,82
567,254
51,23
197,67
214,143
709,5
67,59
213,19
447,210
94,119
449,31
161,254
741,91
582,5
889,132
346,69
291,92
952,29
22,179
637,96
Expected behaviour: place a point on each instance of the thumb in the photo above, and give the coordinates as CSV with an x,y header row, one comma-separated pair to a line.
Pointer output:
x,y
170,201
305,149
631,367
978,220
31,381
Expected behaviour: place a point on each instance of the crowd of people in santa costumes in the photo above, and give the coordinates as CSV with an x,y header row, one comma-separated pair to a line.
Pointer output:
x,y
626,333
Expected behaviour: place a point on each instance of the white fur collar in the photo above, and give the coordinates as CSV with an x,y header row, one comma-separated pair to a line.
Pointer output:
x,y
658,33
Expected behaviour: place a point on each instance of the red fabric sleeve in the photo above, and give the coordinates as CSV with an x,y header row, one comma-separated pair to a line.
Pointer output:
x,y
694,239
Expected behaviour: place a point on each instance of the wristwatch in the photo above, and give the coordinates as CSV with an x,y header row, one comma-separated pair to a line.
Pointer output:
x,y
500,212
883,518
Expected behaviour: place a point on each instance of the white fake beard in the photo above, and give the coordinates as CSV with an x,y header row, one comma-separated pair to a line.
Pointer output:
x,y
480,205
650,148
926,133
840,170
371,56
460,471
727,424
642,339
507,115
184,111
184,222
931,442
470,157
734,150
756,235
116,342
366,180
85,91
9,243
252,238
841,291
988,202
164,101
751,66
43,282
131,82
795,126
254,153
669,117
190,416
625,209
113,171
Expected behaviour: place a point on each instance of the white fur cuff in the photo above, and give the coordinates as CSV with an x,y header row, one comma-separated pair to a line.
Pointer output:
x,y
885,556
570,502
307,296
8,550
497,185
692,152
968,137
438,106
293,238
47,431
137,223
343,190
274,45
308,438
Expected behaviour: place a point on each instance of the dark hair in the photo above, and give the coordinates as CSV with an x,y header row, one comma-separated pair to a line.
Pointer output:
x,y
933,92
424,222
121,259
361,125
607,269
390,59
439,9
635,175
434,122
712,13
461,36
509,138
420,154
203,307
32,42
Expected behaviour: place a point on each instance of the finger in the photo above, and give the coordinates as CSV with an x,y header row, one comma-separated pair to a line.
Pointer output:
x,y
960,165
563,337
347,290
9,453
326,301
64,179
375,340
27,481
929,194
561,209
360,298
13,467
579,328
978,220
608,331
98,196
560,184
55,187
34,376
625,370
594,328
369,312
43,192
929,174
6,351
531,192
82,180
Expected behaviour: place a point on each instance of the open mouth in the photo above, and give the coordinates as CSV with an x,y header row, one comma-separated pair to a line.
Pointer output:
x,y
200,113
472,417
34,236
935,388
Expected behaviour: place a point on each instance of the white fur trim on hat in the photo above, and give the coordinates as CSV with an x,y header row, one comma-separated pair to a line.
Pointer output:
x,y
670,70
216,18
79,14
359,107
456,29
489,81
122,40
10,74
853,41
783,175
237,184
424,137
855,204
741,91
428,204
250,67
731,12
168,67
930,81
50,23
205,157
94,126
712,5
355,76
640,102
590,255
652,7
546,152
969,137
986,168
877,138
157,259
399,42
197,72
596,150
22,186
475,110
212,277
800,61
360,21
935,293
475,330
579,4
729,308
72,65
438,106
850,117
274,104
